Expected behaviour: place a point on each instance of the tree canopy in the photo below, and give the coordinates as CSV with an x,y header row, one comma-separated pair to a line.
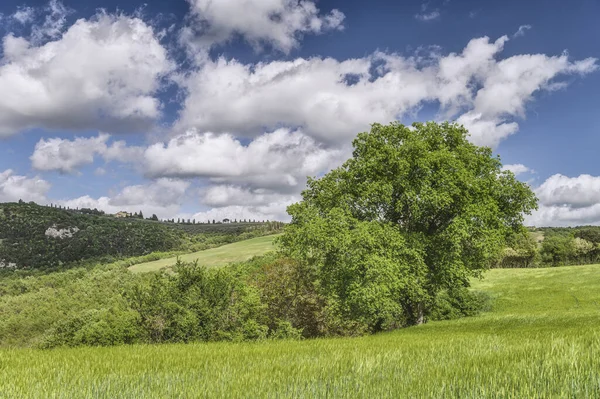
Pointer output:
x,y
415,211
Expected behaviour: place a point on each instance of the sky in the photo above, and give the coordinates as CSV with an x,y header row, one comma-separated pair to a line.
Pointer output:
x,y
210,109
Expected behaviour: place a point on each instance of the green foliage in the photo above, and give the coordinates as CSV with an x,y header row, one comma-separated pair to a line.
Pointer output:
x,y
104,327
557,249
33,303
521,251
552,246
413,212
459,302
27,239
293,304
195,304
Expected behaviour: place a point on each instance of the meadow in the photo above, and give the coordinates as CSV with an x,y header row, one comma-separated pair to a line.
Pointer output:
x,y
540,339
236,252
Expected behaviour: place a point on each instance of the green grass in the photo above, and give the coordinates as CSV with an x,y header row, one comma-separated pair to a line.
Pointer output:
x,y
542,340
236,252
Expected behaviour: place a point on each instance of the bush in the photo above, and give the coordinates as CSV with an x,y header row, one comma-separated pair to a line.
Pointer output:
x,y
457,303
196,304
104,327
289,292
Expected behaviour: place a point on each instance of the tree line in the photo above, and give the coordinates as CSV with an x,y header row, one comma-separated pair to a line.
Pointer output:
x,y
547,246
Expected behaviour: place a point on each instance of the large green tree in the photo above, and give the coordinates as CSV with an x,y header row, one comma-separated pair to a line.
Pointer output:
x,y
415,211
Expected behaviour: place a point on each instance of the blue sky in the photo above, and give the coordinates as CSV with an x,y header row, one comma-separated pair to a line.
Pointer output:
x,y
216,128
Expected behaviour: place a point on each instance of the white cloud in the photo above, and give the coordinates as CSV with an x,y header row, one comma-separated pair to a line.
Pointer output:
x,y
100,74
67,156
521,31
162,197
517,169
231,195
24,15
280,159
271,211
14,187
54,23
334,100
428,16
576,192
567,201
278,23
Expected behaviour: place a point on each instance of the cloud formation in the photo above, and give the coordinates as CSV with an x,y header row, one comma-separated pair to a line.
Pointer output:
x,y
14,187
101,73
567,201
281,159
68,156
279,24
334,100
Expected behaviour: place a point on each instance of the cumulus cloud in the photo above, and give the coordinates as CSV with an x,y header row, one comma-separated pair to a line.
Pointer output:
x,y
162,197
277,23
333,100
517,169
14,187
101,73
280,159
68,156
576,192
567,201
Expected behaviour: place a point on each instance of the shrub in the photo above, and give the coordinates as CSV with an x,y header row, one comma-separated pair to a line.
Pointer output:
x,y
457,303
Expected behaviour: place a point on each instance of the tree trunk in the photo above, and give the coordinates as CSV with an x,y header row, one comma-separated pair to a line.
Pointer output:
x,y
420,319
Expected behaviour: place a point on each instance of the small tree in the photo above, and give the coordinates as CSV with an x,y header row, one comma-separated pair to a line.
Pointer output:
x,y
415,211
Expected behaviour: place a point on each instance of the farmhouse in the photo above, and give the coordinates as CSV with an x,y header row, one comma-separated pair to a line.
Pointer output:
x,y
122,214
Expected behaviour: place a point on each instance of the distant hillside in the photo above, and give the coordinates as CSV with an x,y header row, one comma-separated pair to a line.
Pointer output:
x,y
34,236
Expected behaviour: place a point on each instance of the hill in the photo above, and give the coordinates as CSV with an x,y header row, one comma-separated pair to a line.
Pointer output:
x,y
539,340
236,252
34,236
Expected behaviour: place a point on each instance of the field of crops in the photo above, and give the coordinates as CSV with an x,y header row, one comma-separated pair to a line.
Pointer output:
x,y
541,340
236,252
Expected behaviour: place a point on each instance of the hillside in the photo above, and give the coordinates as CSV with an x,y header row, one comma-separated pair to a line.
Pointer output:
x,y
34,236
539,340
236,252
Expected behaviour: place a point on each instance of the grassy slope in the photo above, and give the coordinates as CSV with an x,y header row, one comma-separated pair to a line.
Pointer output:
x,y
236,252
541,340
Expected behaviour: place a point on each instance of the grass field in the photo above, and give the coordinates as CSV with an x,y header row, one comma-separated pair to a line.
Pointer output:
x,y
236,252
542,340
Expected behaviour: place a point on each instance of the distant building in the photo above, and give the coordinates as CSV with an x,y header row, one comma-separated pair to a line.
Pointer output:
x,y
226,221
122,214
